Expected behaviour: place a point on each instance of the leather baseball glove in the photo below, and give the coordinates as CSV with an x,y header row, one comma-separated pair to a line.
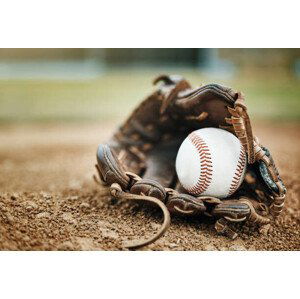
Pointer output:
x,y
138,162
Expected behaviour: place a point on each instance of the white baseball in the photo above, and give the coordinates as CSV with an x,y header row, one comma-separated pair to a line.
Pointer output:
x,y
211,162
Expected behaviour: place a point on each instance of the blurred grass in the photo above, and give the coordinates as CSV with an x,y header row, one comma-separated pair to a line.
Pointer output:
x,y
273,96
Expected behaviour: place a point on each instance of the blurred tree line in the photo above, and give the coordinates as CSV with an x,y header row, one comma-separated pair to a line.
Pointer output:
x,y
242,58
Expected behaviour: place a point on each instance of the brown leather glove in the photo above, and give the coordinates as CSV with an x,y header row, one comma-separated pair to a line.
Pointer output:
x,y
138,162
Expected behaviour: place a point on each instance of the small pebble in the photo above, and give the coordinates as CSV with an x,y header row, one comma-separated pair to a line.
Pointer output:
x,y
155,225
265,229
31,206
173,245
43,215
10,218
210,247
14,196
26,238
237,248
45,195
84,205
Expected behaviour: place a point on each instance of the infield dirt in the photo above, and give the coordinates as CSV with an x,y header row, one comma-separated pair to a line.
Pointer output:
x,y
48,200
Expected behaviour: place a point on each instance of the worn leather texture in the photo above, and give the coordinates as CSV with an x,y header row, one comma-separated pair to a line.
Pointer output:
x,y
140,155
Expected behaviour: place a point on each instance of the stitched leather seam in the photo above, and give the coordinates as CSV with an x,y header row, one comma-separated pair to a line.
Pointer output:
x,y
114,170
206,169
143,182
238,172
211,87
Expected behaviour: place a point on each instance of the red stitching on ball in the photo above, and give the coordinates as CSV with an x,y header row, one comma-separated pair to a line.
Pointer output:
x,y
238,172
205,165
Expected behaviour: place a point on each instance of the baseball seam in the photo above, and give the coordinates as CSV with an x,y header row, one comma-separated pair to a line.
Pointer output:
x,y
238,172
206,168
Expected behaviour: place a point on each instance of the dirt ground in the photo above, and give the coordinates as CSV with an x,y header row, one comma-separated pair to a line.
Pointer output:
x,y
48,200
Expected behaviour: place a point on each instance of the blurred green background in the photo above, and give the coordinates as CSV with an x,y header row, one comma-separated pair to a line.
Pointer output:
x,y
106,84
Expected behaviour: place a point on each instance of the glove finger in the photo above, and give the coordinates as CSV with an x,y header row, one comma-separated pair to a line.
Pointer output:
x,y
159,174
109,167
207,104
161,168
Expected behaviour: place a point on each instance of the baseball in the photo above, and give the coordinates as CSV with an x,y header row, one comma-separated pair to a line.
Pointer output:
x,y
211,162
